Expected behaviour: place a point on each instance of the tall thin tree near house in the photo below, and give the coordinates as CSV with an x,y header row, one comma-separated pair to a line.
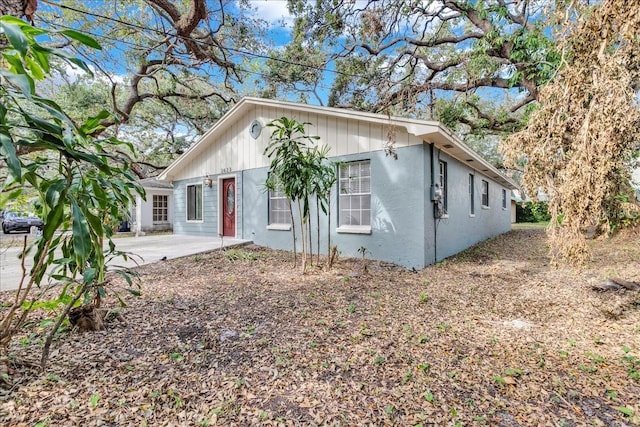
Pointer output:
x,y
300,171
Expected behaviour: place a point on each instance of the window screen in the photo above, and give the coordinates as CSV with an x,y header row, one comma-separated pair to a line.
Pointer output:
x,y
355,193
194,202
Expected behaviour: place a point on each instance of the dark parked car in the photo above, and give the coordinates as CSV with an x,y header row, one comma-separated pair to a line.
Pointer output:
x,y
14,221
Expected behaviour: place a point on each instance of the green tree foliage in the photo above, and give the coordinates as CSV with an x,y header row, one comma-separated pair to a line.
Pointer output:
x,y
80,188
296,70
476,65
301,171
532,212
166,73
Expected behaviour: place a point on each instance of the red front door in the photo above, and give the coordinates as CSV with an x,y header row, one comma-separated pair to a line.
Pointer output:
x,y
229,207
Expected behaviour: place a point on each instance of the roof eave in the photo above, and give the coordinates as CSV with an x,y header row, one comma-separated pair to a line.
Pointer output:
x,y
446,140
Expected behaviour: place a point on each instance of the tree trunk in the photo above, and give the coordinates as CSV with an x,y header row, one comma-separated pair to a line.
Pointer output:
x,y
293,236
303,237
318,227
329,228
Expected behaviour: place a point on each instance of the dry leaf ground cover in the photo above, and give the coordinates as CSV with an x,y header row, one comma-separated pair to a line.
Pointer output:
x,y
494,336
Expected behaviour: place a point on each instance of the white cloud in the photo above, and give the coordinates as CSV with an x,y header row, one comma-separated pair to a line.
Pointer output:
x,y
71,73
272,11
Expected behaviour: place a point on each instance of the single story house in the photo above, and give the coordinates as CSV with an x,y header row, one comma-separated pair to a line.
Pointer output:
x,y
435,199
156,212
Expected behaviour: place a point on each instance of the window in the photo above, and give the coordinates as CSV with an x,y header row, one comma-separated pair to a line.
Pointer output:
x,y
194,202
485,193
472,204
504,199
442,180
279,212
160,209
354,187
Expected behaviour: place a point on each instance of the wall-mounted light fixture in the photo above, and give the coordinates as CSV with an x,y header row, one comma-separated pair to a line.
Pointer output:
x,y
208,181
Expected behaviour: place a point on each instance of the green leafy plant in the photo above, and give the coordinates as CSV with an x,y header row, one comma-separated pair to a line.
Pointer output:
x,y
238,254
94,399
499,379
627,411
299,171
513,372
424,367
81,185
379,360
632,363
177,357
363,251
429,397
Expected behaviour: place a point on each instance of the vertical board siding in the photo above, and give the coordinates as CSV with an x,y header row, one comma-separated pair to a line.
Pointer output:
x,y
232,148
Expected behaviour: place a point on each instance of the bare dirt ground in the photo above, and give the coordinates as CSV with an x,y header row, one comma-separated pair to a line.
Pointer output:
x,y
494,336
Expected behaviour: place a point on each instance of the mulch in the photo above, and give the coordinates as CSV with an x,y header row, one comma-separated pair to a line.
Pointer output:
x,y
494,336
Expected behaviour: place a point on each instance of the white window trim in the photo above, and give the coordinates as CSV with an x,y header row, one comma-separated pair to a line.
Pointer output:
x,y
153,207
487,206
354,229
186,201
472,195
443,180
279,227
275,225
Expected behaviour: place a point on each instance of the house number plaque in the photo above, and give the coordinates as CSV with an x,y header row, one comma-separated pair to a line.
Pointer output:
x,y
225,170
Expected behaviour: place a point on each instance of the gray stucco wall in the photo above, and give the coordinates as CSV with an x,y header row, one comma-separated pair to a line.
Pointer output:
x,y
459,229
397,205
402,222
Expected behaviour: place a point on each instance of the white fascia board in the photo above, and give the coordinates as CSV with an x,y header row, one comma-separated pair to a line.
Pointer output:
x,y
443,136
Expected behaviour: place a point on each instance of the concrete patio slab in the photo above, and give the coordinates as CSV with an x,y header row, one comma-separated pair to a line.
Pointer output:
x,y
145,250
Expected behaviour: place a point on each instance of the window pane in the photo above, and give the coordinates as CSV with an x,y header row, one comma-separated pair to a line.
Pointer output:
x,y
278,208
366,217
471,195
199,202
160,208
194,202
485,193
355,193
